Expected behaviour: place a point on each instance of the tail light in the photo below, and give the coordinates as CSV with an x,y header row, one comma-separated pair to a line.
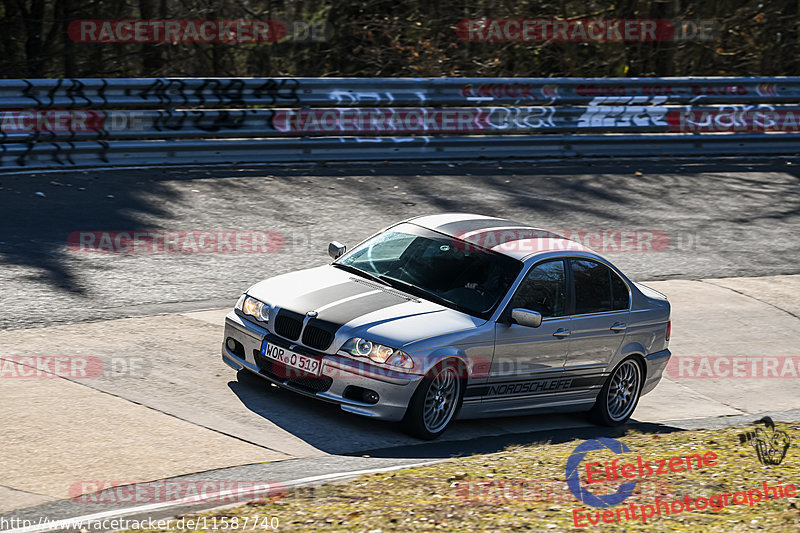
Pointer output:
x,y
669,329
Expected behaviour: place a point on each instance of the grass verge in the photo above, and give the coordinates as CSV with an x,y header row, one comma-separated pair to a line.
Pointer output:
x,y
524,489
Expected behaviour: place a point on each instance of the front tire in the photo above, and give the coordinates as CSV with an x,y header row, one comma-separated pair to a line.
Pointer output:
x,y
436,402
620,394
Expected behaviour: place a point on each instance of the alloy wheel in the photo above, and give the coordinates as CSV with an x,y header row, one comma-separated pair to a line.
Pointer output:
x,y
623,391
441,400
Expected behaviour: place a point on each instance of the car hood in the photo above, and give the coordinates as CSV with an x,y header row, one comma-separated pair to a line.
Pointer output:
x,y
358,307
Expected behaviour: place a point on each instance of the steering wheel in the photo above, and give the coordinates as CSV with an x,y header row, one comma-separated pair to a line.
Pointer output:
x,y
409,275
477,288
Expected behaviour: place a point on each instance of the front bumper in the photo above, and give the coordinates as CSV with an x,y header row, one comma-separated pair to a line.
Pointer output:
x,y
656,363
339,374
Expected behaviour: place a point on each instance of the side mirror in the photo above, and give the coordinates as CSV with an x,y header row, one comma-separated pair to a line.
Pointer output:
x,y
525,317
336,249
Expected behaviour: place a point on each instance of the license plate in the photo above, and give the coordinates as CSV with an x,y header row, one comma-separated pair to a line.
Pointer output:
x,y
308,365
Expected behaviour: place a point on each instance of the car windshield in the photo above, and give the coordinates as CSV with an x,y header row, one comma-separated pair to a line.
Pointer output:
x,y
436,267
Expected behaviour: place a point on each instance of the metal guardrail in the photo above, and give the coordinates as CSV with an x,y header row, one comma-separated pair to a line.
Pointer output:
x,y
86,122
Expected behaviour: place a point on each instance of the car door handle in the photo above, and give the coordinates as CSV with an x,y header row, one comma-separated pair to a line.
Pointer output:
x,y
561,333
619,326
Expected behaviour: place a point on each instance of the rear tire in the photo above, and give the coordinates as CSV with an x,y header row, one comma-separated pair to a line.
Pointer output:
x,y
436,402
620,394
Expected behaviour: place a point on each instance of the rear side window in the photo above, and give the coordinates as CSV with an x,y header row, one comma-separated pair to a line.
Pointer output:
x,y
620,299
592,287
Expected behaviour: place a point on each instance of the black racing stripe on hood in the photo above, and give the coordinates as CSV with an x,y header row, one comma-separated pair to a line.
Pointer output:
x,y
314,299
343,313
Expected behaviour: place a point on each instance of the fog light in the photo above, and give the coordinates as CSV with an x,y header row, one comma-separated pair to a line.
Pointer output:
x,y
371,396
360,394
235,347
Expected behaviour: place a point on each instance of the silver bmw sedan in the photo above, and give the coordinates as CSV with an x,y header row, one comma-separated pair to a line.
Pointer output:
x,y
456,316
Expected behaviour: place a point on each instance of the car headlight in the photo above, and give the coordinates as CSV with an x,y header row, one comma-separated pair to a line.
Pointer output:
x,y
255,308
378,352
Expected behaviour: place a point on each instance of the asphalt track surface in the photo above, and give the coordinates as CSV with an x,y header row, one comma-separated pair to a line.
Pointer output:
x,y
724,218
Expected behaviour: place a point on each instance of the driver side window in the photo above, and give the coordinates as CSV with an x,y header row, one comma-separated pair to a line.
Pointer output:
x,y
543,290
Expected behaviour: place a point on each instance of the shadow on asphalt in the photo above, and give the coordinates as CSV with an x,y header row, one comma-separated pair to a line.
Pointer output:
x,y
35,228
321,424
326,427
498,443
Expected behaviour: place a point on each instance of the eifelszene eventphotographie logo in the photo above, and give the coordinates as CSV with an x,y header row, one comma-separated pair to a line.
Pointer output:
x,y
573,473
629,470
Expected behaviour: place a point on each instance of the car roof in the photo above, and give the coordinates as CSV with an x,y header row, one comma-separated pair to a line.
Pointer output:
x,y
498,234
